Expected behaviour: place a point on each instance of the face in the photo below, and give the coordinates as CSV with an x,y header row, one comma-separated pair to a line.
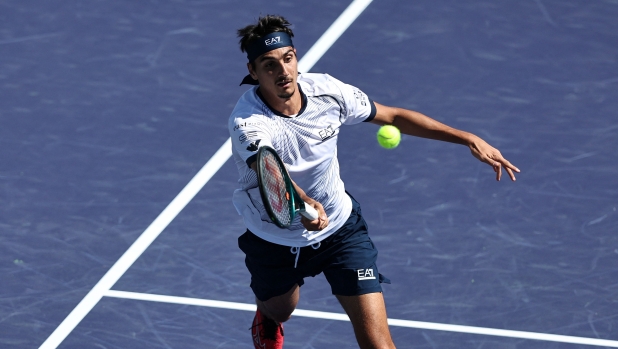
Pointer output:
x,y
277,72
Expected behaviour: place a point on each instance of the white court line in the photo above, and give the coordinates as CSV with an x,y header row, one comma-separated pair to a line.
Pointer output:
x,y
332,34
186,195
391,322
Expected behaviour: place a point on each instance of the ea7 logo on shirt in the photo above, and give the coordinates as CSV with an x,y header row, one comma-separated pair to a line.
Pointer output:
x,y
272,41
326,133
365,274
254,145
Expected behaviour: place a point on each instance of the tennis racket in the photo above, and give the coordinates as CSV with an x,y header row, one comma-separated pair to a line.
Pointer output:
x,y
281,200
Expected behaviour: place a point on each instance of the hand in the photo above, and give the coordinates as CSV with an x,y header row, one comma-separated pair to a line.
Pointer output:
x,y
491,156
317,224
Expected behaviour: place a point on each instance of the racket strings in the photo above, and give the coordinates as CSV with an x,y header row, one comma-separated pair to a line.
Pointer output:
x,y
274,183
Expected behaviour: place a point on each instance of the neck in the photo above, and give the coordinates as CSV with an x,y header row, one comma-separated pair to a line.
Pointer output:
x,y
285,106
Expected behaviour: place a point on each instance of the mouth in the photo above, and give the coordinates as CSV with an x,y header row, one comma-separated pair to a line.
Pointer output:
x,y
284,83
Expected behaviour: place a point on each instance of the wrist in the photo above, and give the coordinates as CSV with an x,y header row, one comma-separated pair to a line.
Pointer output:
x,y
469,139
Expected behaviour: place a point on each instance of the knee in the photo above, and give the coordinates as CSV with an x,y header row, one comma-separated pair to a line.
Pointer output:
x,y
280,308
282,317
279,315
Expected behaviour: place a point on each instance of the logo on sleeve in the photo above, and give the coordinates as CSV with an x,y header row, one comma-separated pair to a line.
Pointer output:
x,y
365,274
247,136
244,124
327,133
254,145
362,98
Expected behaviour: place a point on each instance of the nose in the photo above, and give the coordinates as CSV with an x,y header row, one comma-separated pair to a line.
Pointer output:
x,y
282,69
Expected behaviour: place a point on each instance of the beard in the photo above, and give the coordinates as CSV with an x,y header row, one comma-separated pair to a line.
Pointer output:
x,y
286,95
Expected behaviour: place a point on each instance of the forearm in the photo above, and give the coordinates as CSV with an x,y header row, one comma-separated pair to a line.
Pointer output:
x,y
419,125
302,194
416,124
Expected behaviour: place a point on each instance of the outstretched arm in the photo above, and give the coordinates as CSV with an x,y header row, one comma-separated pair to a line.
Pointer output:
x,y
419,125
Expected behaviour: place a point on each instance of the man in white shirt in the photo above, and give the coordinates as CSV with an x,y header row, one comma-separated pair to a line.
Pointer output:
x,y
300,116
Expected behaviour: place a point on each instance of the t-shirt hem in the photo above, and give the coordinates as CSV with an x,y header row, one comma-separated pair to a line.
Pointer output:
x,y
303,242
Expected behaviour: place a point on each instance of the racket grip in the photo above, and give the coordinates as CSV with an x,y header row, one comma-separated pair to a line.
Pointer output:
x,y
309,212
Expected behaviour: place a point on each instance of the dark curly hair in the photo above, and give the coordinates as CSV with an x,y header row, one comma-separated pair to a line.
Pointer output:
x,y
265,25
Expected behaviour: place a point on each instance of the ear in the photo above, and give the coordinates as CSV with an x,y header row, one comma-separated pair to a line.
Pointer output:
x,y
251,71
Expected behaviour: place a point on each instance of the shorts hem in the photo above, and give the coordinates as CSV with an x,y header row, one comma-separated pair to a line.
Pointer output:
x,y
360,292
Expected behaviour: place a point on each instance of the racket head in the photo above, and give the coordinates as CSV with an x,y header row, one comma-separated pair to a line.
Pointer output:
x,y
275,186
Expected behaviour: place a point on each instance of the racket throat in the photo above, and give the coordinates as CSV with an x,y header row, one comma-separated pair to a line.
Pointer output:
x,y
305,209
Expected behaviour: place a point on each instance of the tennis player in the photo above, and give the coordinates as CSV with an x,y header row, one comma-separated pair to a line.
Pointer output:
x,y
300,116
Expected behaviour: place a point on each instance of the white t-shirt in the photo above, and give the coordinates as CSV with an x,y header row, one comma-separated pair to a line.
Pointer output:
x,y
307,144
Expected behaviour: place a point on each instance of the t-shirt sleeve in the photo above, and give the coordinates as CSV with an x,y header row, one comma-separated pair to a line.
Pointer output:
x,y
358,107
248,134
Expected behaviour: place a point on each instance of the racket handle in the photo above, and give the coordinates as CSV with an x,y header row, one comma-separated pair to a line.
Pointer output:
x,y
309,212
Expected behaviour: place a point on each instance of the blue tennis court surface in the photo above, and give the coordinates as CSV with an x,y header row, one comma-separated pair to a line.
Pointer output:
x,y
109,108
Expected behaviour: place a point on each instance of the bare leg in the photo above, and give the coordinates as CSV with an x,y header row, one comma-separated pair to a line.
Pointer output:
x,y
280,308
368,315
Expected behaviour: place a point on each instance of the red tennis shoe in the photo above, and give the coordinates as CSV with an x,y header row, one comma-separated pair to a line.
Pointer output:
x,y
266,333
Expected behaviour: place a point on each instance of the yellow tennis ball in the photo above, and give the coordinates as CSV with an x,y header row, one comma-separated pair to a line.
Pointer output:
x,y
389,136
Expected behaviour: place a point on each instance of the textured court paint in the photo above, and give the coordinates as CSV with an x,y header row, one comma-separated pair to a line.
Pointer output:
x,y
105,122
391,322
139,246
332,34
185,196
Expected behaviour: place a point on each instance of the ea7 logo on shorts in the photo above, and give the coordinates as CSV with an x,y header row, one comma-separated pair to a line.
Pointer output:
x,y
272,41
365,274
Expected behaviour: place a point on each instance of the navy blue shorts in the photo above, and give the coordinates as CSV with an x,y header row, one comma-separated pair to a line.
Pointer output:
x,y
347,258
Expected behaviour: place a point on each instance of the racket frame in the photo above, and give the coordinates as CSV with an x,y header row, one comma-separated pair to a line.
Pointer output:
x,y
295,203
289,187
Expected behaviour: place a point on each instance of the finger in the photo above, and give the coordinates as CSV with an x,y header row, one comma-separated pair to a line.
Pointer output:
x,y
317,224
489,161
323,224
507,164
509,168
498,169
511,174
323,219
494,162
314,223
312,227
